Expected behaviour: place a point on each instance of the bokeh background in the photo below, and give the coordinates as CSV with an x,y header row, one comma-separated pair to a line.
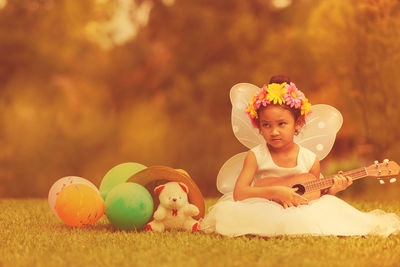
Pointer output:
x,y
86,85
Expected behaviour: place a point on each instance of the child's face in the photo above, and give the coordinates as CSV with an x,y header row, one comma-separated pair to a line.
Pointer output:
x,y
277,126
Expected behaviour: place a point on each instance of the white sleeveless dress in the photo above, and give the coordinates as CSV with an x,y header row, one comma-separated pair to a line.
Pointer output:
x,y
327,215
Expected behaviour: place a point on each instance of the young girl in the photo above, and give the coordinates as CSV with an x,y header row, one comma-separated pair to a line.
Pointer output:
x,y
257,206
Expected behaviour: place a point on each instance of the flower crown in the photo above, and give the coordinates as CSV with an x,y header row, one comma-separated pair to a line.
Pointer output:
x,y
275,93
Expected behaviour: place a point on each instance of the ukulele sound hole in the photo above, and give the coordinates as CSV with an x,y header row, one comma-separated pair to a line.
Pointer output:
x,y
300,189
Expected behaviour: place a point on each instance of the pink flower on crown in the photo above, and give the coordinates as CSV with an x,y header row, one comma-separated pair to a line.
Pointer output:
x,y
293,96
282,94
261,98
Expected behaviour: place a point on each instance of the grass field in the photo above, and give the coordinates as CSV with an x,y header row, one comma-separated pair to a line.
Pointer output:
x,y
30,235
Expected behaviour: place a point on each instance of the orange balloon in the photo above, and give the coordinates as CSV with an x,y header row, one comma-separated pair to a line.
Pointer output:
x,y
79,205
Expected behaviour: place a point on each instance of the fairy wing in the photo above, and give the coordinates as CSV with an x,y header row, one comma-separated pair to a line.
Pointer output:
x,y
318,135
241,95
229,173
249,136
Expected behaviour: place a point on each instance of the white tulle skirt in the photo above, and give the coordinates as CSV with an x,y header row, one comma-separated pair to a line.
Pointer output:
x,y
328,215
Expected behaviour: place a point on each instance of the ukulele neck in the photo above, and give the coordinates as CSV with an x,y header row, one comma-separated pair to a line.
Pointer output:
x,y
327,182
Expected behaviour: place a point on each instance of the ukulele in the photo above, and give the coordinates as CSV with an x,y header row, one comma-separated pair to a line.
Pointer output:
x,y
310,187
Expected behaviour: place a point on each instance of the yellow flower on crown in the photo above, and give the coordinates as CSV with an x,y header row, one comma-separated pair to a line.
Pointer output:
x,y
276,93
305,107
282,94
251,111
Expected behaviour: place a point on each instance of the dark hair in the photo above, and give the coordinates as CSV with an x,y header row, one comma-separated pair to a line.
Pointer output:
x,y
295,112
279,79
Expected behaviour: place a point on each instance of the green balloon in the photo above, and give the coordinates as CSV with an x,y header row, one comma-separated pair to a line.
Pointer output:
x,y
118,175
129,206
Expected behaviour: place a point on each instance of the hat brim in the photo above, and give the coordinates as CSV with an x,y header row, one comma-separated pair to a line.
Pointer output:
x,y
155,173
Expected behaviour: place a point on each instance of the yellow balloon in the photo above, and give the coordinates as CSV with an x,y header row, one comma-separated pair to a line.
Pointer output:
x,y
79,205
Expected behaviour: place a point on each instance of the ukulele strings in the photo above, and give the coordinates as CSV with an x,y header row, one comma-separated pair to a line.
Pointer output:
x,y
328,181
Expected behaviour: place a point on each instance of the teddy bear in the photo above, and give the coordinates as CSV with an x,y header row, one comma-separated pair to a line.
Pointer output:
x,y
174,211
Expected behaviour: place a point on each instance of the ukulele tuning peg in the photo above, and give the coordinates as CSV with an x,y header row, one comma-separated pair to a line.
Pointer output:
x,y
381,181
393,180
376,163
386,161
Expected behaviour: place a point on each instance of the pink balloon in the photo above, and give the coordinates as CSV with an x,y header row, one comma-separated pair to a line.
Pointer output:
x,y
61,184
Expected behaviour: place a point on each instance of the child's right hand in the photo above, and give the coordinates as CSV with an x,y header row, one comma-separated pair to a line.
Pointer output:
x,y
288,197
340,182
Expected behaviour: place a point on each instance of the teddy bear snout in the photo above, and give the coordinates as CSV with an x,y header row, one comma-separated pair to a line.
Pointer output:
x,y
174,199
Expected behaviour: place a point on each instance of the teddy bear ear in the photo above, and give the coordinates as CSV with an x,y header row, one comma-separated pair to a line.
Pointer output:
x,y
158,189
184,187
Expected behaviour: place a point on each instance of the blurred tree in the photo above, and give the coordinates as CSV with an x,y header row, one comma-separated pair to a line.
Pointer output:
x,y
191,54
86,101
50,117
358,42
86,85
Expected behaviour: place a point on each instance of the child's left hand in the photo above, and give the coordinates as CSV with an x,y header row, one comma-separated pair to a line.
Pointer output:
x,y
340,183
